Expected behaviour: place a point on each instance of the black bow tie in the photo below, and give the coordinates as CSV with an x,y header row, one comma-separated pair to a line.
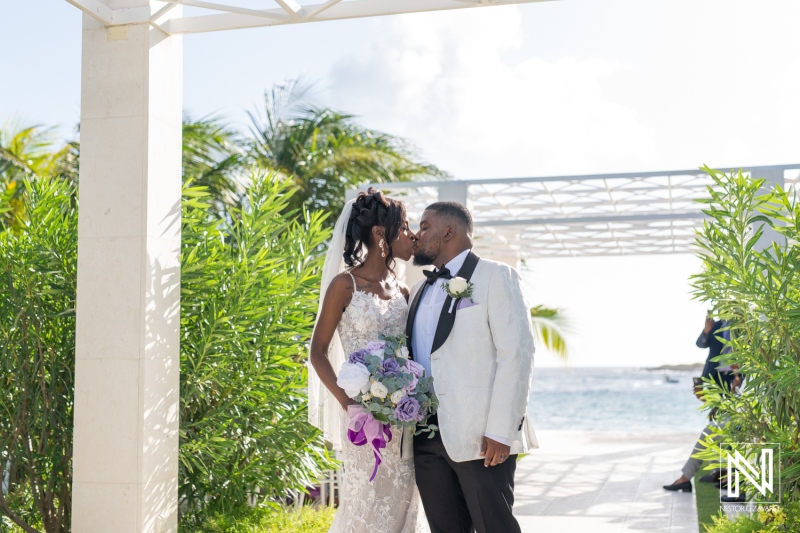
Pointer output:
x,y
442,273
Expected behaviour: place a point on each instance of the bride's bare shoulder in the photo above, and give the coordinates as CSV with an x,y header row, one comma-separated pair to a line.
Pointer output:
x,y
340,291
342,283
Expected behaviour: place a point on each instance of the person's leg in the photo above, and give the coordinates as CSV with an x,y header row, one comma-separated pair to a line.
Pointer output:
x,y
692,465
439,487
489,493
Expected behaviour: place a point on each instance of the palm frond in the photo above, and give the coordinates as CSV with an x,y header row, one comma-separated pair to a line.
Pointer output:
x,y
326,152
214,157
552,328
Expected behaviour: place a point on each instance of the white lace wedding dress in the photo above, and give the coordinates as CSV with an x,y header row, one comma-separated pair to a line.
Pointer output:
x,y
390,503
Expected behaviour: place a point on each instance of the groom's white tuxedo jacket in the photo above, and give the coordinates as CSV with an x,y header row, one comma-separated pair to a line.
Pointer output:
x,y
482,370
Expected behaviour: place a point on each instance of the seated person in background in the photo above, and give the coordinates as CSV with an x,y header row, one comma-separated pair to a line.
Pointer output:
x,y
710,338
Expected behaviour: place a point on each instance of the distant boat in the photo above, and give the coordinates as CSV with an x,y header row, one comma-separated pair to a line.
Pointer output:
x,y
670,380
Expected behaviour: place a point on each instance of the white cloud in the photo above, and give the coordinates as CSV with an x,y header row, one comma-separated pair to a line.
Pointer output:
x,y
457,85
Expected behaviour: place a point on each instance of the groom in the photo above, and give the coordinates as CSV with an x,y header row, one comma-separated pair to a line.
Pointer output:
x,y
479,351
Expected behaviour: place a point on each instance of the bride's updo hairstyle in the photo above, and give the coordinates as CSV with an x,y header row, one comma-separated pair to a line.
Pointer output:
x,y
372,209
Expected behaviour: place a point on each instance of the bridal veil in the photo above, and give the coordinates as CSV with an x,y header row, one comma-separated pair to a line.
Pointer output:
x,y
324,411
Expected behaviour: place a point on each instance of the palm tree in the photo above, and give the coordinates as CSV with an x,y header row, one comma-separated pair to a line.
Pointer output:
x,y
29,151
326,152
214,157
551,328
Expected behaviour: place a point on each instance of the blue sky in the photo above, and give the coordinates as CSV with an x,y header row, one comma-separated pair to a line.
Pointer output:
x,y
562,87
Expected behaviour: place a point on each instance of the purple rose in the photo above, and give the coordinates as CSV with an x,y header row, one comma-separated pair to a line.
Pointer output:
x,y
376,347
415,368
359,357
407,410
390,367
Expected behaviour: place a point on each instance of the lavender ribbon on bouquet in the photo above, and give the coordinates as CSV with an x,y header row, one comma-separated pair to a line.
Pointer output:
x,y
362,429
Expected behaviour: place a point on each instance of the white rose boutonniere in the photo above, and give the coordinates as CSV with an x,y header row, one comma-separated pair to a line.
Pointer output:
x,y
458,288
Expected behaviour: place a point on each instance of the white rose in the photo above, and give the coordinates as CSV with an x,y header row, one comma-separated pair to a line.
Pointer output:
x,y
379,390
403,352
397,395
365,397
354,379
457,285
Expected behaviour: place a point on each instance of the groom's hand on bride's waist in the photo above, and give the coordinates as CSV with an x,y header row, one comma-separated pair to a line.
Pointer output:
x,y
494,452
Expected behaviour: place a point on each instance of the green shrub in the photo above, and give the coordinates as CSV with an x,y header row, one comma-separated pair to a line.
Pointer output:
x,y
249,285
776,519
38,261
268,520
758,292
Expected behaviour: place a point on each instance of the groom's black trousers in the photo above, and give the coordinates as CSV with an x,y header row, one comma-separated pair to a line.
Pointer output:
x,y
463,497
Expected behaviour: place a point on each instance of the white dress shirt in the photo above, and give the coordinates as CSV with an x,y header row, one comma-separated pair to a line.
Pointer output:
x,y
427,318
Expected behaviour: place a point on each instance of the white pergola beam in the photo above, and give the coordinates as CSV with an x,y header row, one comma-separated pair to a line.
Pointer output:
x,y
582,177
95,9
272,15
571,216
321,12
164,10
611,218
320,8
290,6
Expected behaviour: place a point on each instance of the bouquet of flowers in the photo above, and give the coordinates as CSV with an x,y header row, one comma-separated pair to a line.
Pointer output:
x,y
392,390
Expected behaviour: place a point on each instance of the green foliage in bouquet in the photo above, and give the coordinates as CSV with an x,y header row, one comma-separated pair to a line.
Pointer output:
x,y
756,287
249,282
395,391
38,261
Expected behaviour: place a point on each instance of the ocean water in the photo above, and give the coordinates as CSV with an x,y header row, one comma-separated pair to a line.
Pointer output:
x,y
615,399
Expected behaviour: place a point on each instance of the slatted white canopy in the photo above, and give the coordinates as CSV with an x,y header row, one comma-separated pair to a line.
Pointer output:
x,y
573,216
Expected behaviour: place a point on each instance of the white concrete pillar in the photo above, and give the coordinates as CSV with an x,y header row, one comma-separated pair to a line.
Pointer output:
x,y
773,176
127,357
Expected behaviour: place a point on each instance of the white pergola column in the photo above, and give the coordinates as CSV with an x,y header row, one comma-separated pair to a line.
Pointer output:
x,y
773,177
127,357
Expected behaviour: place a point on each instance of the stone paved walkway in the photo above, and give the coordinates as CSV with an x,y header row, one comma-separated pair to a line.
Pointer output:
x,y
604,482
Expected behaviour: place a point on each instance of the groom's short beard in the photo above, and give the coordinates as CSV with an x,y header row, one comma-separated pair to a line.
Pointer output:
x,y
425,257
422,259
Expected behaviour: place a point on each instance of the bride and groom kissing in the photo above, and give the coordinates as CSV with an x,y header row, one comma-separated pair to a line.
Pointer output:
x,y
479,352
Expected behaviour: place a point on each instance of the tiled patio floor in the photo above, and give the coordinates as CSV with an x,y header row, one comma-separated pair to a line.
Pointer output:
x,y
604,482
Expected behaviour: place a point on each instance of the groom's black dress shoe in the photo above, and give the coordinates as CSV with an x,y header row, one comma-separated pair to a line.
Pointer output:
x,y
712,477
686,486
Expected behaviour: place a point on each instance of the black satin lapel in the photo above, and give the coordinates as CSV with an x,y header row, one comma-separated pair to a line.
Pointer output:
x,y
412,315
447,319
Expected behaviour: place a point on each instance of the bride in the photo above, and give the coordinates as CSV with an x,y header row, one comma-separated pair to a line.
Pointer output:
x,y
360,299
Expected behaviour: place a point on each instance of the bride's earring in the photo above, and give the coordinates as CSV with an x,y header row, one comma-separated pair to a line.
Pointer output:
x,y
383,253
